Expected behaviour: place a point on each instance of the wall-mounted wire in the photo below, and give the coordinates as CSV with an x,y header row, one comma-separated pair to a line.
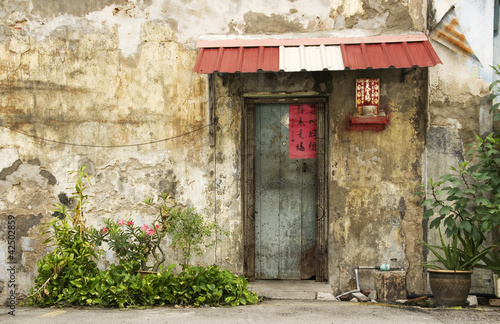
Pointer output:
x,y
104,146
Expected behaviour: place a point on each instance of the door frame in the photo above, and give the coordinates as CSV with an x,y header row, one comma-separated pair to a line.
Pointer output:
x,y
248,181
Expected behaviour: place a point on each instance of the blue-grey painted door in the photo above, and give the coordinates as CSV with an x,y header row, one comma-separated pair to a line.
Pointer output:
x,y
285,202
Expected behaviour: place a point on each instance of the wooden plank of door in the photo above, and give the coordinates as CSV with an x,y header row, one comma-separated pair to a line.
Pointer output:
x,y
290,208
267,184
308,214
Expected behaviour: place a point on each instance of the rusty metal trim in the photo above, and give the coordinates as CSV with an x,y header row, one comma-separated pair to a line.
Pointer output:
x,y
449,33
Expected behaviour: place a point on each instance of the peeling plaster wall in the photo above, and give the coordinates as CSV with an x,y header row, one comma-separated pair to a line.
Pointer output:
x,y
113,73
91,82
374,216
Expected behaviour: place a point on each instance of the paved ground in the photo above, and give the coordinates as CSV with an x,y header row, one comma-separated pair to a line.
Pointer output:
x,y
272,311
295,302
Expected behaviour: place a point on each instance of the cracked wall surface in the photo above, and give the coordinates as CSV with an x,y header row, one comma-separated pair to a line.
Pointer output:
x,y
108,84
458,99
374,216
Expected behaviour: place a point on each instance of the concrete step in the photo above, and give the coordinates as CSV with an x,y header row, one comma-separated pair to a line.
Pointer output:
x,y
290,289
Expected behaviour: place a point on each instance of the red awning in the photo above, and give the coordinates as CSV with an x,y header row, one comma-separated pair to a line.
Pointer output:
x,y
315,54
237,59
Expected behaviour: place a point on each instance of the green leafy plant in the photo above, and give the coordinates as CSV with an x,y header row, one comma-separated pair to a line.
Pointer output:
x,y
69,275
191,233
466,202
189,230
451,256
63,273
492,261
121,287
495,93
211,286
72,262
132,242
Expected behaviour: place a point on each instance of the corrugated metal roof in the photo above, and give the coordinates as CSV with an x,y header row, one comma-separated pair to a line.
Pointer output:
x,y
389,55
310,58
317,54
237,59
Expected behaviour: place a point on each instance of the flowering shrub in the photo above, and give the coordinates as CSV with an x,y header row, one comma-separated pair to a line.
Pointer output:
x,y
187,228
132,243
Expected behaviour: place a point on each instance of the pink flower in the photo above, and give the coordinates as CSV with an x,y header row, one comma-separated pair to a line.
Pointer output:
x,y
150,231
104,230
121,222
144,227
157,226
130,223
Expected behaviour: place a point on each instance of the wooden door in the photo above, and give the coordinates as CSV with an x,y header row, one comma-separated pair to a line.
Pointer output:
x,y
285,201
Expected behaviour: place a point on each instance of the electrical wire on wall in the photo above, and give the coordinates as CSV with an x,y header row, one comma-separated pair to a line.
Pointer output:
x,y
213,122
104,146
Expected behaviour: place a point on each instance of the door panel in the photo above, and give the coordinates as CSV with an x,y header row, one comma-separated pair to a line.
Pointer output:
x,y
267,179
285,202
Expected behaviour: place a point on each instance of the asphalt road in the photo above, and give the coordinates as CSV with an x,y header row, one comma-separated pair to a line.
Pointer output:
x,y
272,311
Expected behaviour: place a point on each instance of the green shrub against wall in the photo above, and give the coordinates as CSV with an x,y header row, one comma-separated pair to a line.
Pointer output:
x,y
69,274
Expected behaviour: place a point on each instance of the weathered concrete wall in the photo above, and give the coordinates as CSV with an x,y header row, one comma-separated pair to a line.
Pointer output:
x,y
373,214
78,81
116,73
458,99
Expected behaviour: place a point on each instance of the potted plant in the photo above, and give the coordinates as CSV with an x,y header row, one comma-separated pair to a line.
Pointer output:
x,y
464,203
450,273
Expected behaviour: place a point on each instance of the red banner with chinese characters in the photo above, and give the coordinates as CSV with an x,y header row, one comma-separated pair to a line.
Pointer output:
x,y
367,94
302,131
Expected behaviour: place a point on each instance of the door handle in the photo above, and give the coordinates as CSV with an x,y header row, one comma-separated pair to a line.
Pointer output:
x,y
251,215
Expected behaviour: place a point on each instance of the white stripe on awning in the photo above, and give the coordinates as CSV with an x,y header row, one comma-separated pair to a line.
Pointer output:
x,y
310,58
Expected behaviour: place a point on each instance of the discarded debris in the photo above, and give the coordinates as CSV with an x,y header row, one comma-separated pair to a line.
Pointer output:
x,y
472,300
361,297
422,301
495,302
372,295
326,296
416,301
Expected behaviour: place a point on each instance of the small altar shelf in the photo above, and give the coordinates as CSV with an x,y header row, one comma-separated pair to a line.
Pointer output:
x,y
376,123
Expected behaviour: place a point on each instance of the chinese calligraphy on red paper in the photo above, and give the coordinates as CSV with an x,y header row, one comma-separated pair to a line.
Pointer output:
x,y
302,132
